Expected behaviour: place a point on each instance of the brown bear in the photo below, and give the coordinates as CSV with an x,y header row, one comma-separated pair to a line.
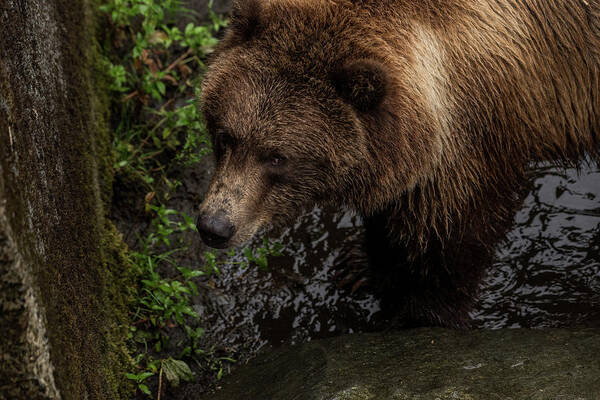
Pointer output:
x,y
422,115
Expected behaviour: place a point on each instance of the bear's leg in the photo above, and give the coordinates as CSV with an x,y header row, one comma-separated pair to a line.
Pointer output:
x,y
437,286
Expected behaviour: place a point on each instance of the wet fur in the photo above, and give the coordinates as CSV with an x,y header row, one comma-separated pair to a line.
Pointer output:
x,y
473,91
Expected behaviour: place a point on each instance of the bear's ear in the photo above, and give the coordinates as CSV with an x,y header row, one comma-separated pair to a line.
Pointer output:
x,y
245,18
362,83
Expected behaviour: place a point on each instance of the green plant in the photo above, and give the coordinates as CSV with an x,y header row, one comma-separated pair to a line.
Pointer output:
x,y
260,255
155,70
176,370
164,303
139,380
155,73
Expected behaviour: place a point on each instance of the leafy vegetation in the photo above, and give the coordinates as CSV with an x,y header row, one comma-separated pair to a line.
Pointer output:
x,y
155,69
157,65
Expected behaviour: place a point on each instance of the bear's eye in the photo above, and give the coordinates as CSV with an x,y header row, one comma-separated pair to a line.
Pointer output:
x,y
272,159
276,161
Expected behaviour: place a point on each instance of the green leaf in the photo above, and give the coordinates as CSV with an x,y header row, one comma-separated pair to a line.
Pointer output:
x,y
179,318
262,263
166,288
145,389
133,377
161,87
193,287
176,370
145,375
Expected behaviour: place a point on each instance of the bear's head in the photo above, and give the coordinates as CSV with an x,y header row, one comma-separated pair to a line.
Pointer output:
x,y
297,101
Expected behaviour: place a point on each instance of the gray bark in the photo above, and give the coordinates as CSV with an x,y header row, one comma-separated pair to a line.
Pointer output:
x,y
61,320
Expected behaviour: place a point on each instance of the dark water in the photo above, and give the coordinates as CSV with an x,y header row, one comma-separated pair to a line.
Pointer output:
x,y
546,274
298,298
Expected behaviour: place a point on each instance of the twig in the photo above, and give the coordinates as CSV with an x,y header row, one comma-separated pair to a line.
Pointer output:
x,y
141,321
129,96
178,60
160,381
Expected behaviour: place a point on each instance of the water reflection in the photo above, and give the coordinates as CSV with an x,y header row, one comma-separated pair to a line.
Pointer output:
x,y
297,299
547,272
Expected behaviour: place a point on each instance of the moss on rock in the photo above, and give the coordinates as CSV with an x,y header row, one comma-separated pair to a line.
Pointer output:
x,y
426,364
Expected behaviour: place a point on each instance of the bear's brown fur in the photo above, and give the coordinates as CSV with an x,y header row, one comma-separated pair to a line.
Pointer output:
x,y
423,115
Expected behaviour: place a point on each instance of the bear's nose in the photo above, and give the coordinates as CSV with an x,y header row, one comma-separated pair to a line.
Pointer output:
x,y
215,230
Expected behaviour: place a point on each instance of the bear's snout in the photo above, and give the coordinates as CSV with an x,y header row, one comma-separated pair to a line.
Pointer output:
x,y
216,230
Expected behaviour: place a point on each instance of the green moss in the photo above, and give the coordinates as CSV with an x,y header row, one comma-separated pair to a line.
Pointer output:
x,y
101,103
115,258
118,296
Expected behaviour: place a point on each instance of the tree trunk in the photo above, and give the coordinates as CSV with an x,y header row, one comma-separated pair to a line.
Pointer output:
x,y
63,269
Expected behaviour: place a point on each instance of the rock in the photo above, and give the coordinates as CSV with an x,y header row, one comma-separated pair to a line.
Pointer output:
x,y
426,364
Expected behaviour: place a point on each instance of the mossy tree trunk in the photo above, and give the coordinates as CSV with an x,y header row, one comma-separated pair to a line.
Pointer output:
x,y
63,273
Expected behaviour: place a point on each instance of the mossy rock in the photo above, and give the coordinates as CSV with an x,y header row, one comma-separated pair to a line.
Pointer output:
x,y
426,364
